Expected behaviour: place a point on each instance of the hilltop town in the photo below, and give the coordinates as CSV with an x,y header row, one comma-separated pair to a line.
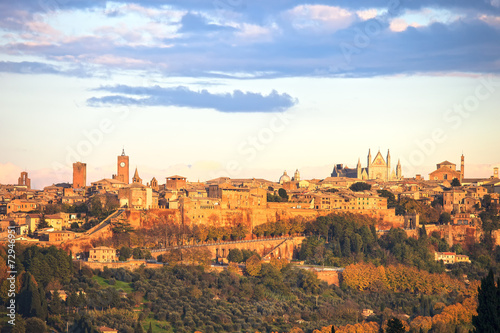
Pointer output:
x,y
79,216
353,241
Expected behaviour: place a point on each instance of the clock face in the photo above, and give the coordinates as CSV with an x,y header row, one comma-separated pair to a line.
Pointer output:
x,y
122,164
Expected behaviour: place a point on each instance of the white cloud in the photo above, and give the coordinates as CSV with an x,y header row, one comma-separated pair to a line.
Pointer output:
x,y
491,20
320,18
367,14
399,24
254,32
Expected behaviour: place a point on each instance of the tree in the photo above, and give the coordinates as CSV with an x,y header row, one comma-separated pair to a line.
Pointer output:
x,y
83,325
150,329
455,182
30,302
445,218
137,253
138,328
43,223
282,193
235,255
360,187
56,306
35,325
125,253
394,325
346,247
253,266
488,308
391,198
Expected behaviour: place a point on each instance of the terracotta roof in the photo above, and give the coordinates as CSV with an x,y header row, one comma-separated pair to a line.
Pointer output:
x,y
176,176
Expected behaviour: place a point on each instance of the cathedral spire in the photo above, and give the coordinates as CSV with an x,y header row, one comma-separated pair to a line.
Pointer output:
x,y
399,174
388,165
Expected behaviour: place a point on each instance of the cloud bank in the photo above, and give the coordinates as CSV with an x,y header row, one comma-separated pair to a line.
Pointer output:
x,y
181,96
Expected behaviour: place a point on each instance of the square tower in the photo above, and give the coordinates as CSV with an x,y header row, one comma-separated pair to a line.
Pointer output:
x,y
79,175
123,168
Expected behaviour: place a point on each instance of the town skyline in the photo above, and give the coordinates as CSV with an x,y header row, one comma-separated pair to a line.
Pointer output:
x,y
232,172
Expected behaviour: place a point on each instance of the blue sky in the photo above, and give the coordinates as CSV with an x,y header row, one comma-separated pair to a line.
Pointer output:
x,y
246,88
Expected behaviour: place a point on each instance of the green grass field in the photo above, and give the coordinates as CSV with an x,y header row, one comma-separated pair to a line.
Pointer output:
x,y
124,286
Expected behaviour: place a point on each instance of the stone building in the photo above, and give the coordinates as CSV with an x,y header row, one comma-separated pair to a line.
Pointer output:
x,y
238,197
175,182
137,195
21,205
448,171
122,166
102,254
24,180
79,175
378,168
285,178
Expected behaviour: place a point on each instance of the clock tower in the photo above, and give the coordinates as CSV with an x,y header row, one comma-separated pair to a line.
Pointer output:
x,y
122,166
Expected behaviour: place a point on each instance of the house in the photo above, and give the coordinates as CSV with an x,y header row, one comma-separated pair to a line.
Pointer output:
x,y
61,236
450,257
102,254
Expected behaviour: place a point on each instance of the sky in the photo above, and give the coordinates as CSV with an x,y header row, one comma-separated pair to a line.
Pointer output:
x,y
238,88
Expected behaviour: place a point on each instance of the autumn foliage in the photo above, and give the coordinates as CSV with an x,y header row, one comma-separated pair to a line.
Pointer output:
x,y
366,327
399,278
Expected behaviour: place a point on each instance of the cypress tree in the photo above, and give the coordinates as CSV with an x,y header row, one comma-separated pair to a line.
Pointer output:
x,y
150,329
30,301
346,248
138,328
488,314
56,306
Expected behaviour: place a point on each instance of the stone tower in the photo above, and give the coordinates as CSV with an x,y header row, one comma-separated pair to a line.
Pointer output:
x,y
24,180
359,170
399,173
154,184
369,161
462,168
79,175
296,176
123,168
136,179
388,165
495,172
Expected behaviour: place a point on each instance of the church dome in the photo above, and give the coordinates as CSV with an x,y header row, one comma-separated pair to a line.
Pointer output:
x,y
284,178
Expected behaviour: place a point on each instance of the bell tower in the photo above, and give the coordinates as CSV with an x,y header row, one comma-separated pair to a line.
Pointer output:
x,y
122,168
462,168
388,165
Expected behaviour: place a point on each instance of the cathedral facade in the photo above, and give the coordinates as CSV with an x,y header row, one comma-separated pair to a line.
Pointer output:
x,y
377,169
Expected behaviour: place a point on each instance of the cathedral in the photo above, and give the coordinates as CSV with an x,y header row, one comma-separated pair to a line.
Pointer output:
x,y
378,168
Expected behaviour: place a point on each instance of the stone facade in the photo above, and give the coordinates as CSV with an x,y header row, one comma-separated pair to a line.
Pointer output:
x,y
79,175
102,254
175,182
122,167
377,169
24,180
448,171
